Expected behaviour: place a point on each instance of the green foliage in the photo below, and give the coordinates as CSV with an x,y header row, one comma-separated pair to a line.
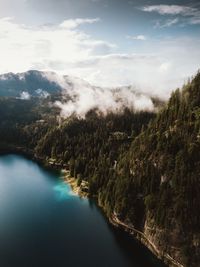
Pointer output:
x,y
137,164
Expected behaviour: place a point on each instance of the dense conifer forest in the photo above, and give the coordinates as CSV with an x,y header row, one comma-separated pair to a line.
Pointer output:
x,y
142,166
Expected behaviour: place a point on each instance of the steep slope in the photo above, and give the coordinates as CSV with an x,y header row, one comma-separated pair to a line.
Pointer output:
x,y
150,187
162,171
146,176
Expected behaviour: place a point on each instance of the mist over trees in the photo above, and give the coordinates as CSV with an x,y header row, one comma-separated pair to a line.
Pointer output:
x,y
142,166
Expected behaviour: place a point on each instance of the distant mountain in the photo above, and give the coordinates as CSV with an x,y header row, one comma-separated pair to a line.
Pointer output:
x,y
37,83
27,84
74,95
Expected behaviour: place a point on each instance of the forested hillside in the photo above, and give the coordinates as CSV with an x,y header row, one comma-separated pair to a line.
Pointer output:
x,y
161,171
154,185
91,146
24,122
141,167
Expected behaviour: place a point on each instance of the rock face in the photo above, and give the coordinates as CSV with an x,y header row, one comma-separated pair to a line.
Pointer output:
x,y
166,243
154,239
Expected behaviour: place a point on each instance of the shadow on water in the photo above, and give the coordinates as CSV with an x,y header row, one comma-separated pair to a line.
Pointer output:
x,y
131,247
47,225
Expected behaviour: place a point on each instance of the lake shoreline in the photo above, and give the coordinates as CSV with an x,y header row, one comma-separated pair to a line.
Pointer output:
x,y
50,225
72,181
113,220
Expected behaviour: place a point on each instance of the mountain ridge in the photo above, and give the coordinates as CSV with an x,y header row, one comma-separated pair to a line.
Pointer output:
x,y
142,167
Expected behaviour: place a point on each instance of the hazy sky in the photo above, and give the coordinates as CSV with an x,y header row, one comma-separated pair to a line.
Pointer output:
x,y
151,44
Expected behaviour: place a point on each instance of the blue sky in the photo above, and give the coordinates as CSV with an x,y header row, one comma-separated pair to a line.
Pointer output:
x,y
153,45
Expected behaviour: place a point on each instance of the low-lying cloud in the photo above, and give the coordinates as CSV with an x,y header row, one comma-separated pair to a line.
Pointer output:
x,y
79,97
25,96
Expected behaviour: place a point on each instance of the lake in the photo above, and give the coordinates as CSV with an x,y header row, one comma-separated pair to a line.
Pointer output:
x,y
42,223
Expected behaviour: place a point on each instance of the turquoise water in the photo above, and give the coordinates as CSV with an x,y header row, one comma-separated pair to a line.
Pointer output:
x,y
42,223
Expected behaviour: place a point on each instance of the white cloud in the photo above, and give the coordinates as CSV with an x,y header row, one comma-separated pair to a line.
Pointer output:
x,y
74,23
167,23
190,15
161,65
85,97
138,37
24,96
170,9
164,67
23,48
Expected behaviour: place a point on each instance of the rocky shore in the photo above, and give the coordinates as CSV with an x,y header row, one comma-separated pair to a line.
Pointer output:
x,y
81,189
145,239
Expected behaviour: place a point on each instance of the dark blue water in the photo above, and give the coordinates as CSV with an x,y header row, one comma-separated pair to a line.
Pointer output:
x,y
43,224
